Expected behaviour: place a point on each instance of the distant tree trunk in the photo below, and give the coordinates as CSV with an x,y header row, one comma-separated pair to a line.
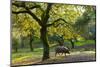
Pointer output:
x,y
22,42
72,43
43,32
31,46
61,41
15,44
16,49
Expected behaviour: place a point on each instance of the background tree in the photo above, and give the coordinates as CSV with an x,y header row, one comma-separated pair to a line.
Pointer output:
x,y
85,24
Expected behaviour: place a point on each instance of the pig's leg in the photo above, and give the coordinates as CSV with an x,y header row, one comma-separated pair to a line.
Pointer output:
x,y
65,54
55,54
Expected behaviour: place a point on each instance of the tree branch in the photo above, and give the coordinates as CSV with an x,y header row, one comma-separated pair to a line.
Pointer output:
x,y
23,6
30,13
19,12
36,6
46,13
60,19
35,17
19,5
27,11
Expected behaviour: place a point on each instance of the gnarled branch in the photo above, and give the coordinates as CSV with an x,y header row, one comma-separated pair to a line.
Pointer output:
x,y
23,6
19,12
45,15
60,19
19,5
36,6
35,17
27,11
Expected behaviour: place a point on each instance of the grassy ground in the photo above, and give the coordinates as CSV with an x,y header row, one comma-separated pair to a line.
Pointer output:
x,y
78,56
81,43
25,57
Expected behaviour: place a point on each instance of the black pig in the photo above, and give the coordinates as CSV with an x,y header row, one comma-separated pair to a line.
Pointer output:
x,y
61,50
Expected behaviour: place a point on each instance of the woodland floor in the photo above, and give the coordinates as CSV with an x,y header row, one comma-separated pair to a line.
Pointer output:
x,y
77,56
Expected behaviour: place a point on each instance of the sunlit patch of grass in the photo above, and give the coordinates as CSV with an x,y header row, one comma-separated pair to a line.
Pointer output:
x,y
25,55
20,59
89,52
81,43
83,53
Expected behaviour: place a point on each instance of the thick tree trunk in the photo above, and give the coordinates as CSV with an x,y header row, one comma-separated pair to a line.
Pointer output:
x,y
43,32
31,46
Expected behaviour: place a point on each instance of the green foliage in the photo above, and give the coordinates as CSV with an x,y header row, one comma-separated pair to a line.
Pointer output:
x,y
85,22
68,12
